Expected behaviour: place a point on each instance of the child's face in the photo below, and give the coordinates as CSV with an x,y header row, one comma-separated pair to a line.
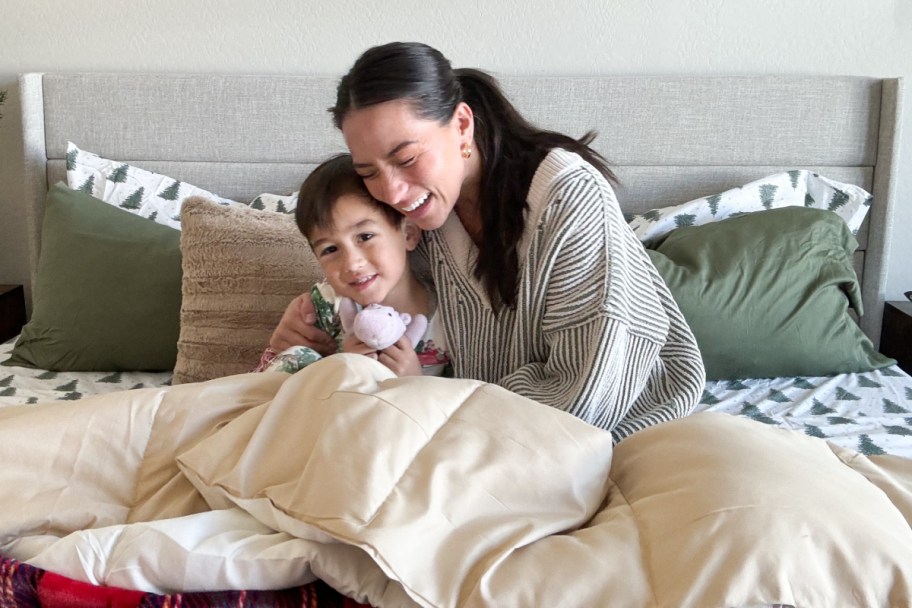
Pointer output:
x,y
363,255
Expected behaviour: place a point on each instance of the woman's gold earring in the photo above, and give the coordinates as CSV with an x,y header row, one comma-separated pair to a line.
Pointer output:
x,y
466,151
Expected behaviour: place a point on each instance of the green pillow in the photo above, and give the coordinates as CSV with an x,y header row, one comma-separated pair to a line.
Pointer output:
x,y
108,290
767,294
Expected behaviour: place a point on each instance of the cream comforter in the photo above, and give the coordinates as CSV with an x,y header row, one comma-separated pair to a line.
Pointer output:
x,y
437,492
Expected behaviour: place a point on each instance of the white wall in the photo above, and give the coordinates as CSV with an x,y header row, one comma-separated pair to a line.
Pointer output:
x,y
856,37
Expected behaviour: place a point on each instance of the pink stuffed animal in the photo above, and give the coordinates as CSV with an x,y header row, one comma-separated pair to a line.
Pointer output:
x,y
380,326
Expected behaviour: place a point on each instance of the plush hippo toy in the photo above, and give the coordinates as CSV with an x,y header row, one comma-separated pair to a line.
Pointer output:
x,y
380,326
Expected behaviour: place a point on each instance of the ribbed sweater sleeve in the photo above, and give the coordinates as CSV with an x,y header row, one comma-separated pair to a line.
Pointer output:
x,y
595,331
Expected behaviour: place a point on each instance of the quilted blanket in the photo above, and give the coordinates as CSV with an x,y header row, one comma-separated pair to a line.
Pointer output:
x,y
443,492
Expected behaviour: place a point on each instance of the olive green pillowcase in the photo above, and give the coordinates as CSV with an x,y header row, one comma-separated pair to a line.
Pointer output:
x,y
108,291
767,294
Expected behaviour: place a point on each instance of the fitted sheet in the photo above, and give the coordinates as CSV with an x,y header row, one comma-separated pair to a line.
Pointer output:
x,y
24,385
869,412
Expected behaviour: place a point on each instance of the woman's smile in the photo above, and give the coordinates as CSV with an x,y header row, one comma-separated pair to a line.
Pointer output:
x,y
418,203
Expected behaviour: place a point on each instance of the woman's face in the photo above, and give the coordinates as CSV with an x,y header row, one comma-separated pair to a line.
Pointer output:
x,y
413,164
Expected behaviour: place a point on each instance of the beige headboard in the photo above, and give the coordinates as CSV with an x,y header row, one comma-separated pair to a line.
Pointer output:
x,y
671,139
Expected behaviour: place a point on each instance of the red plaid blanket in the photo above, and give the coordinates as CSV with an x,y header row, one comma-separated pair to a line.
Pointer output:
x,y
24,585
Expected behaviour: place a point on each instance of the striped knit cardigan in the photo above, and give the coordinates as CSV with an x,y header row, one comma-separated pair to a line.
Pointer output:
x,y
595,331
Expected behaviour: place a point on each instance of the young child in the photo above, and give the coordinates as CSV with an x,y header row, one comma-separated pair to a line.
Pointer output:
x,y
362,246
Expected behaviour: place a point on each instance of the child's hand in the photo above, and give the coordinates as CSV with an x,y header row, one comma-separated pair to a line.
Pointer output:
x,y
401,358
351,344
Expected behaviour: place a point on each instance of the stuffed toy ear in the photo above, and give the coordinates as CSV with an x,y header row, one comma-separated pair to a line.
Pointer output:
x,y
347,311
416,329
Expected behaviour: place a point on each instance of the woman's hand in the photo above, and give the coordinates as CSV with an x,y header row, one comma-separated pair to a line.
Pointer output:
x,y
401,358
297,328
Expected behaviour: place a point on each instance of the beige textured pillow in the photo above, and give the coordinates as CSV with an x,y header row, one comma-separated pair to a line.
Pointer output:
x,y
241,268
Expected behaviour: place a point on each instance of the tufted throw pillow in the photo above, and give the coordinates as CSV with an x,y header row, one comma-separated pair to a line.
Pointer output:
x,y
241,268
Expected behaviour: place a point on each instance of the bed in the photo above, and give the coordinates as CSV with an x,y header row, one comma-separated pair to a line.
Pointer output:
x,y
160,476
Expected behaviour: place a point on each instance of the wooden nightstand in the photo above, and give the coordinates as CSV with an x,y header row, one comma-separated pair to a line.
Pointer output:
x,y
896,335
12,311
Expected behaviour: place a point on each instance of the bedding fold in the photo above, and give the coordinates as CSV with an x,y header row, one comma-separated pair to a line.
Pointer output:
x,y
444,492
422,474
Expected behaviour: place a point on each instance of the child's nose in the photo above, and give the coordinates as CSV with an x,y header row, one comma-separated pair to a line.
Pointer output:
x,y
353,259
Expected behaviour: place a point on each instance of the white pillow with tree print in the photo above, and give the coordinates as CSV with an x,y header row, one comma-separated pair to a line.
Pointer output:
x,y
146,193
789,189
276,202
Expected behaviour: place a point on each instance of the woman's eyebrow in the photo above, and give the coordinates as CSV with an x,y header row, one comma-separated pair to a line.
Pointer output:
x,y
392,152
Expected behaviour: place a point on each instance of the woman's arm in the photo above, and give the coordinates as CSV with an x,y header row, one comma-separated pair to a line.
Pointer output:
x,y
297,328
618,352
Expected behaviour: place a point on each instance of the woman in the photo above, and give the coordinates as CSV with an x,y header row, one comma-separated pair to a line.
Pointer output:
x,y
542,287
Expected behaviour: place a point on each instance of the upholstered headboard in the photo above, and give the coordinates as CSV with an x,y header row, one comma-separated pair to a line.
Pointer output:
x,y
671,139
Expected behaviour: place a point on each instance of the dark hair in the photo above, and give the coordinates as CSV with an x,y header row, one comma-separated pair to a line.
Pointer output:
x,y
326,184
511,148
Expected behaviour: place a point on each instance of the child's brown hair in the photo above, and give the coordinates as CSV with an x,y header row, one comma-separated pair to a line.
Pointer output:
x,y
326,184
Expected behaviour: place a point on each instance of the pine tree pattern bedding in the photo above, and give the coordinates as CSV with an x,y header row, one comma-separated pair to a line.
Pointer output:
x,y
869,412
23,385
147,193
795,188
